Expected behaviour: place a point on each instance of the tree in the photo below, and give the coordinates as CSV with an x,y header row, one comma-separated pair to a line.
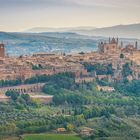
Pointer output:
x,y
121,55
99,68
13,94
126,70
70,127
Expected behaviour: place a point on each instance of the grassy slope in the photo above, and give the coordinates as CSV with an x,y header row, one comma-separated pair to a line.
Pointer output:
x,y
117,129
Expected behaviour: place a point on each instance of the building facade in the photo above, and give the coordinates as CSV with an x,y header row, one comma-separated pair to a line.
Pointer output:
x,y
112,46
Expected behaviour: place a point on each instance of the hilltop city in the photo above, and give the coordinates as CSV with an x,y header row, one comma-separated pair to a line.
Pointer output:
x,y
83,95
70,70
112,52
112,55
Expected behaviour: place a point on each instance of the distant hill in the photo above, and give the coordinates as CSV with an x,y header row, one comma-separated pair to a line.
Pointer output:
x,y
54,42
122,31
67,29
29,43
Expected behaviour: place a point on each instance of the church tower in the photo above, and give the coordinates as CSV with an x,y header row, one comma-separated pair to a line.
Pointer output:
x,y
2,50
136,45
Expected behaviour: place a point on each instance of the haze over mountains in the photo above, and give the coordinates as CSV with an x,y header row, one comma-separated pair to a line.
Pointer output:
x,y
65,29
67,40
29,43
123,31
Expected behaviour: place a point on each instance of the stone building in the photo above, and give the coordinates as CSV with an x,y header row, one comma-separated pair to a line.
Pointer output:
x,y
2,50
109,47
130,48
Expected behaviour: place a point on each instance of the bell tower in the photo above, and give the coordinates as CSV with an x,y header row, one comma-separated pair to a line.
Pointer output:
x,y
136,45
2,50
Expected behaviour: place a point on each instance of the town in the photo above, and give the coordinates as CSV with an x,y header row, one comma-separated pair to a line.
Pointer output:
x,y
67,85
112,52
69,70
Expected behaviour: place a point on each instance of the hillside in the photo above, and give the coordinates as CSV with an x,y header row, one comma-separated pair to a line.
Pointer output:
x,y
111,116
29,43
52,42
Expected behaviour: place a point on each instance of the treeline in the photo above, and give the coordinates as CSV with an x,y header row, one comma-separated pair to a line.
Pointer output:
x,y
36,79
96,111
4,83
65,90
20,101
49,78
107,69
131,88
71,98
126,71
100,69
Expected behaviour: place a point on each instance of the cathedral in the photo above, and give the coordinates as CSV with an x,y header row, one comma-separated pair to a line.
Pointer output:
x,y
113,46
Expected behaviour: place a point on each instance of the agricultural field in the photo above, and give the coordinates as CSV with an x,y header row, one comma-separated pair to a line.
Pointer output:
x,y
51,137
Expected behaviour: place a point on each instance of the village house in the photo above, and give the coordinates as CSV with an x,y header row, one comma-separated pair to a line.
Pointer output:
x,y
105,88
61,130
84,79
86,131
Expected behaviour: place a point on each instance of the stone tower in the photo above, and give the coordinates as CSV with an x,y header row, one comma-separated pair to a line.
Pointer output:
x,y
2,50
136,45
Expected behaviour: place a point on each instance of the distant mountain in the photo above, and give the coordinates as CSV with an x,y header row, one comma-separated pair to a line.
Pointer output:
x,y
66,35
29,43
58,42
67,29
121,31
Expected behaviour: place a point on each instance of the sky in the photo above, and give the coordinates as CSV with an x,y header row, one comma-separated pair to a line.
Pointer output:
x,y
20,15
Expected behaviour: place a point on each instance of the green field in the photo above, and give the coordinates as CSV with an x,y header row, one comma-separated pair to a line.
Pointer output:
x,y
50,137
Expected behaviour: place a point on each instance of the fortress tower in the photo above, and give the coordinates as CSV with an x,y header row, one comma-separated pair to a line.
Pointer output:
x,y
2,50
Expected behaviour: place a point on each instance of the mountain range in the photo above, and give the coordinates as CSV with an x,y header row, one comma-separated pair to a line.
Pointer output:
x,y
29,43
66,40
121,31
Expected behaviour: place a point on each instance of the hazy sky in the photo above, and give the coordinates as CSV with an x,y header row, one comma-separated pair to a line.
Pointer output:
x,y
19,15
